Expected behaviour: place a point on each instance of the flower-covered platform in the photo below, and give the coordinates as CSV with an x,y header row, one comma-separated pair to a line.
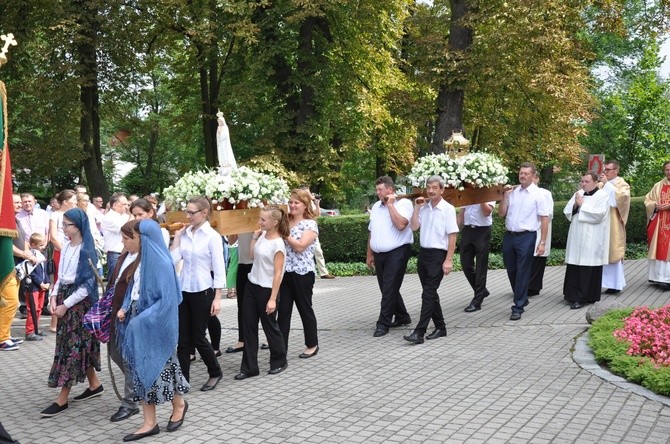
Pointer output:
x,y
469,179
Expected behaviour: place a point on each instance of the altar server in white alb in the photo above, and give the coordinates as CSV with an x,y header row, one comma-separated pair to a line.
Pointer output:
x,y
587,249
619,192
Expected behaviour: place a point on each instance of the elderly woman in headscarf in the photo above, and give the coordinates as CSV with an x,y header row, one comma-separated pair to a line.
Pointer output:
x,y
77,354
147,331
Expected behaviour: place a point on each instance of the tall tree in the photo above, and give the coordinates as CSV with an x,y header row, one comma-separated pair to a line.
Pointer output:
x,y
87,15
451,93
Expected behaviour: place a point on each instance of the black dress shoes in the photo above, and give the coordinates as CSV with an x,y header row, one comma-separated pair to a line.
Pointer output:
x,y
308,355
515,317
135,436
241,376
123,413
207,387
472,307
234,350
414,338
380,332
612,291
533,292
174,425
274,371
576,305
437,333
396,323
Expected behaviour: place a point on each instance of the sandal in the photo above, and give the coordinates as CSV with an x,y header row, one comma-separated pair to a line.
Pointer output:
x,y
232,294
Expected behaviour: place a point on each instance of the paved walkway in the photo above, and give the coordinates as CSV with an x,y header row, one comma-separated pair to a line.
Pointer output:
x,y
491,380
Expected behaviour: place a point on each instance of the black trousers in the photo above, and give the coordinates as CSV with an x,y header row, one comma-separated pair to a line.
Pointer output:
x,y
214,329
390,268
255,300
243,271
297,288
430,271
537,274
194,314
474,248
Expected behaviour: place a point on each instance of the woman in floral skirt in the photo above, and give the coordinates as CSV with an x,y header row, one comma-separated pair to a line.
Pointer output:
x,y
77,354
148,331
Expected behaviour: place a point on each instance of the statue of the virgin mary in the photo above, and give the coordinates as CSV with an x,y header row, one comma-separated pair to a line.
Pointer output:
x,y
224,149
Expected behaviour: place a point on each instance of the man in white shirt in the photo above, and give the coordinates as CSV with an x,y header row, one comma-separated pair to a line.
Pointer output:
x,y
437,219
31,218
111,225
389,248
475,222
525,212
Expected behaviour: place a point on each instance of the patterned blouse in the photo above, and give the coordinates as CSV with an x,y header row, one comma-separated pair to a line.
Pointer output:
x,y
301,263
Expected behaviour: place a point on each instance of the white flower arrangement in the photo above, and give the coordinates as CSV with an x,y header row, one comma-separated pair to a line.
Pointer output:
x,y
479,170
242,184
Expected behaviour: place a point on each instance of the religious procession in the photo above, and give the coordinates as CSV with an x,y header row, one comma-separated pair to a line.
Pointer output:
x,y
99,273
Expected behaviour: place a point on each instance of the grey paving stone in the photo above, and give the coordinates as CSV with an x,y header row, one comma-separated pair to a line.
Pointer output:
x,y
490,380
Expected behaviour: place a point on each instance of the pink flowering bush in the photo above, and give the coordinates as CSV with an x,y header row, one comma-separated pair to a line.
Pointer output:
x,y
616,354
648,331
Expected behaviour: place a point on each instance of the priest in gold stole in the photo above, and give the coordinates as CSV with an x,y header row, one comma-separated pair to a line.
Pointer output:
x,y
619,191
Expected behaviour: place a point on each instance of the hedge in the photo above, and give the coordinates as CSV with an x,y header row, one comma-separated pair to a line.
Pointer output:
x,y
344,238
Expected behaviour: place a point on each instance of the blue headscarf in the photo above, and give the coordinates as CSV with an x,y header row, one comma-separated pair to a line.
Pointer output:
x,y
150,337
85,273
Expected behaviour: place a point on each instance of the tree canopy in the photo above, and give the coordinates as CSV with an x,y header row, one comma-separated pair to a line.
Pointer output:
x,y
335,93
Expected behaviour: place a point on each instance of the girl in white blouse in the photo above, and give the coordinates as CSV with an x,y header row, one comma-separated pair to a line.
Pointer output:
x,y
261,292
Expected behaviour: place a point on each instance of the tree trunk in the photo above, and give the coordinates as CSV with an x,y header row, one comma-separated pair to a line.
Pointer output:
x,y
208,119
89,129
451,95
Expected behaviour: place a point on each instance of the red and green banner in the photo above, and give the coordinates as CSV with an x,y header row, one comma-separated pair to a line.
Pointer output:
x,y
7,220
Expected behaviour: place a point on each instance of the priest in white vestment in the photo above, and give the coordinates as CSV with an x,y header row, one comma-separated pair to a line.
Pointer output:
x,y
657,202
587,248
613,276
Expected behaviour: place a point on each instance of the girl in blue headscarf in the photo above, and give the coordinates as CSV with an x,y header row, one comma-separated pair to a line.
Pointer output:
x,y
148,330
77,354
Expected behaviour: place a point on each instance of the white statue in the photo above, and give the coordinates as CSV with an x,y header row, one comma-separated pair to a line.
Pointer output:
x,y
224,149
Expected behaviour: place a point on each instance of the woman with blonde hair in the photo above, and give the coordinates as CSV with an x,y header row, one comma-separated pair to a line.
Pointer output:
x,y
298,283
202,278
261,292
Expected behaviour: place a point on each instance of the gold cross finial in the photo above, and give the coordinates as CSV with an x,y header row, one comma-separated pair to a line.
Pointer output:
x,y
9,40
